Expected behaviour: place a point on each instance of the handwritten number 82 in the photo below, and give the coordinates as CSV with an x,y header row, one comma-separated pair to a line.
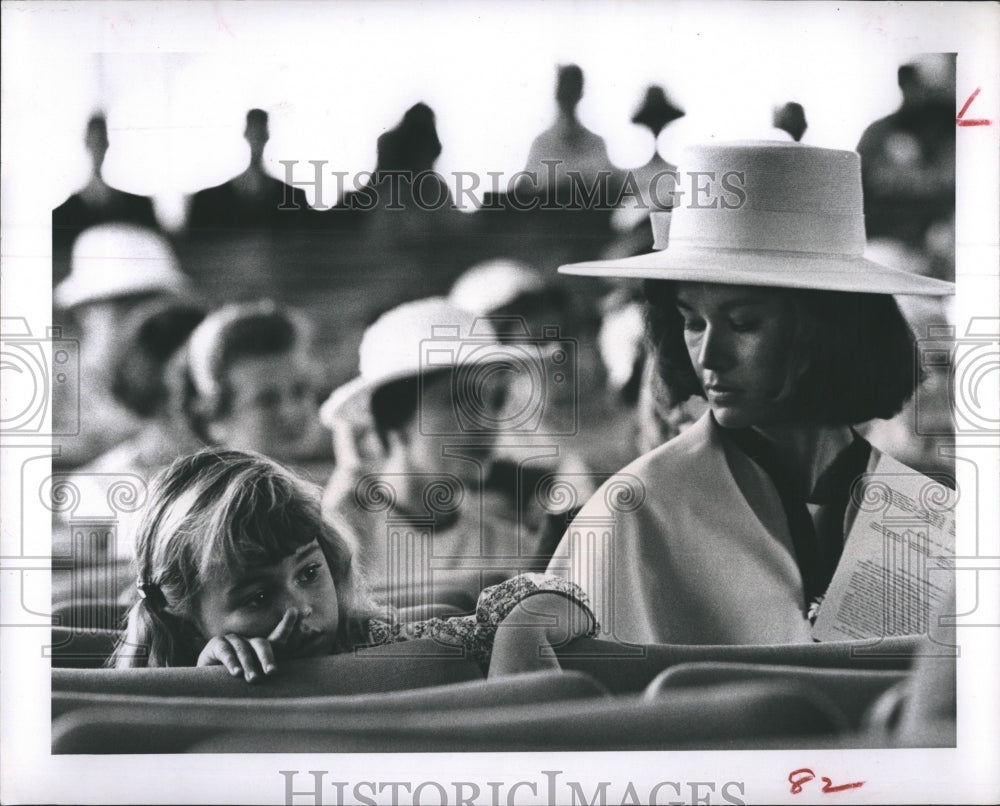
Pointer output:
x,y
803,776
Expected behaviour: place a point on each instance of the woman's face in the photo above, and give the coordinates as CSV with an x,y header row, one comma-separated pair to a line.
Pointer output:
x,y
252,604
739,339
272,406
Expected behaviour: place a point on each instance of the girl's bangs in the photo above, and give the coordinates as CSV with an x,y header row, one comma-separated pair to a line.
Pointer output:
x,y
256,533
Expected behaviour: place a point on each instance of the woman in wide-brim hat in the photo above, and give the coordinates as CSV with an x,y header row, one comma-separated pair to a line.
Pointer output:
x,y
760,300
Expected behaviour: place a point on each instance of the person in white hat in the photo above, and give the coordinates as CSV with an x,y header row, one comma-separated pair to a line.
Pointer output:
x,y
115,269
415,434
761,301
579,430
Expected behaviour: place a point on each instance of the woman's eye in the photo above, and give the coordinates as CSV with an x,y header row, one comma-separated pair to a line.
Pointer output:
x,y
694,325
743,325
309,574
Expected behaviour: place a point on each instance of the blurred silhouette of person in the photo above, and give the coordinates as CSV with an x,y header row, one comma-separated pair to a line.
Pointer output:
x,y
651,186
151,337
908,157
567,140
95,203
399,429
253,200
404,176
561,422
790,118
115,269
247,379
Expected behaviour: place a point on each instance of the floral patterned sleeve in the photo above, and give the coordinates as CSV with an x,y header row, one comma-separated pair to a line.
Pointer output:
x,y
475,633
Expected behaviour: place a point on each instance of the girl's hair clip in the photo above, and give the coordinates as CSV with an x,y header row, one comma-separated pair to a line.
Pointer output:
x,y
151,593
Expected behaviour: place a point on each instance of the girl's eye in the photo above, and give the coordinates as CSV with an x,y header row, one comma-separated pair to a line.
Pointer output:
x,y
694,325
742,325
309,574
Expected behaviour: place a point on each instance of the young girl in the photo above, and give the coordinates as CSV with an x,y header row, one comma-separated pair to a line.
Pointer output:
x,y
236,566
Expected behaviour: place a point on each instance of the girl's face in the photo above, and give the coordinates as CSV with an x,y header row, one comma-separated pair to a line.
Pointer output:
x,y
739,339
272,406
252,604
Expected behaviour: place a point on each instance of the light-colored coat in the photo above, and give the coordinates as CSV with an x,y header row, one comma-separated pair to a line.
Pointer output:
x,y
688,544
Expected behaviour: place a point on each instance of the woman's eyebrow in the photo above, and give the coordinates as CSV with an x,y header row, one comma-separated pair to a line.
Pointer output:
x,y
728,305
742,303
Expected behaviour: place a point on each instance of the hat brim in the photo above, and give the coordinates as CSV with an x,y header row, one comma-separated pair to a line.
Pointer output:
x,y
765,268
72,293
352,400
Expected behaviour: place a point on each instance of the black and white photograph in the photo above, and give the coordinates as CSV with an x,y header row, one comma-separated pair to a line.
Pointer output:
x,y
546,402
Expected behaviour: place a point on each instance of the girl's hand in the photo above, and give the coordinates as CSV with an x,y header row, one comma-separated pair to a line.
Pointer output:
x,y
251,657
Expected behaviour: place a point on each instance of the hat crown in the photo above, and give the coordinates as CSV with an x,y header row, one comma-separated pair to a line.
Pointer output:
x,y
393,346
773,214
116,260
782,197
488,286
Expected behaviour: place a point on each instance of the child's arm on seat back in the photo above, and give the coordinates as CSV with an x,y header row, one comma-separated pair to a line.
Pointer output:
x,y
526,637
523,613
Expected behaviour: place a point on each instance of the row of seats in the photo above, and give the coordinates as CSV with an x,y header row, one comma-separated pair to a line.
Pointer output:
x,y
541,717
420,696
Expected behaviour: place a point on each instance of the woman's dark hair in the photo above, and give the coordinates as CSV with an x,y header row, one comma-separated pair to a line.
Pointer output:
x,y
154,334
855,353
232,333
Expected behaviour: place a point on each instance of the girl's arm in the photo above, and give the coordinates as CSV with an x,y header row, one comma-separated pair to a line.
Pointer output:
x,y
525,638
532,613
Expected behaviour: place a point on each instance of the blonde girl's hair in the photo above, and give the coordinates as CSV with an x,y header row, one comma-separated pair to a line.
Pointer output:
x,y
214,514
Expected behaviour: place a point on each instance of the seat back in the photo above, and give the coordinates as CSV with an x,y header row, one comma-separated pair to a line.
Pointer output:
x,y
412,664
852,690
74,648
625,668
729,716
89,614
108,723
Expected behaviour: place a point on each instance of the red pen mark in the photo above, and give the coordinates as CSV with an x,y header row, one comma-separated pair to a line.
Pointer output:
x,y
797,778
961,120
829,787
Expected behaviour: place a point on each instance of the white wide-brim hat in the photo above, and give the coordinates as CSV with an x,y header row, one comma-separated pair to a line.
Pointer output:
x,y
422,336
110,261
766,214
488,286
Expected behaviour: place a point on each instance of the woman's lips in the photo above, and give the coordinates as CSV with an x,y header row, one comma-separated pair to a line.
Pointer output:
x,y
721,393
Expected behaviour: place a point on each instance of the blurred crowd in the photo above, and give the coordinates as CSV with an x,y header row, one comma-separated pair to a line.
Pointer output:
x,y
267,325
